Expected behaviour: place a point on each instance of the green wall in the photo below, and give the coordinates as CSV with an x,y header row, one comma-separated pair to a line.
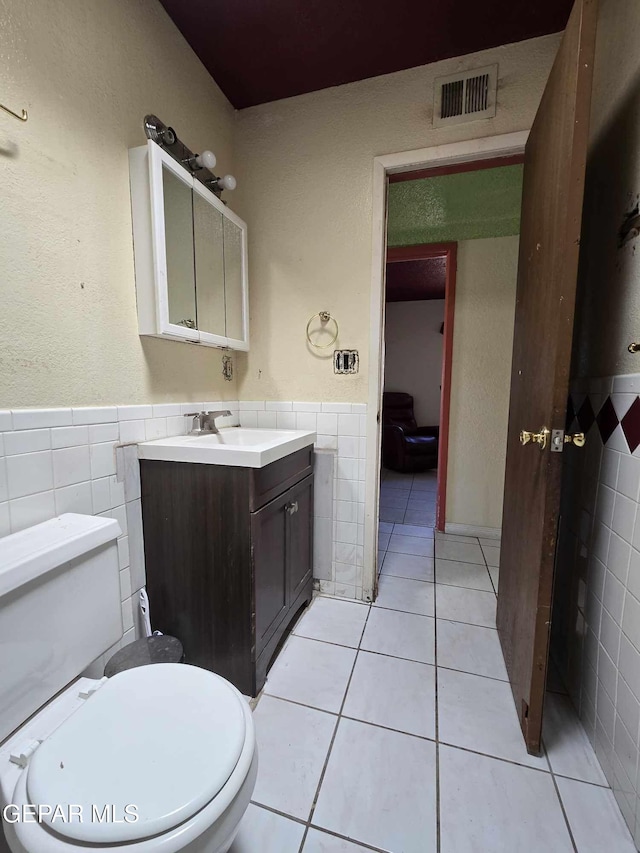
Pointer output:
x,y
465,206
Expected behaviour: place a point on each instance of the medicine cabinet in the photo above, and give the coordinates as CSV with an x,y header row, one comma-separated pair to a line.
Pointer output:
x,y
190,255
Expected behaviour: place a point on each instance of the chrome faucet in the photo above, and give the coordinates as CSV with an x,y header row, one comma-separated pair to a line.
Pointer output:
x,y
205,421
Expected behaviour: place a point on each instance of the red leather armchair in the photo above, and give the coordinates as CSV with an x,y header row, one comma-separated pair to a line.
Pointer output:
x,y
406,446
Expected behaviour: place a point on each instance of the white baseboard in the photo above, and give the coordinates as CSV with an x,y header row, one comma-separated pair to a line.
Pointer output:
x,y
472,530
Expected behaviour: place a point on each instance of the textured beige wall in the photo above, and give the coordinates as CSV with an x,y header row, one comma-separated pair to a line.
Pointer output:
x,y
608,316
88,71
413,354
305,181
480,381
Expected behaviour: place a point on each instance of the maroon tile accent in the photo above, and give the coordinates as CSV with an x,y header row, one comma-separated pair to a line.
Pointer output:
x,y
607,420
586,416
631,425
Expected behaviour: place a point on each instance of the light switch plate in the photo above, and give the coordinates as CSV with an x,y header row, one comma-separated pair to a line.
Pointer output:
x,y
346,361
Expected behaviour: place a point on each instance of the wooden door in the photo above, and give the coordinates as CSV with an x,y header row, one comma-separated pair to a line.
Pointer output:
x,y
269,552
299,536
555,159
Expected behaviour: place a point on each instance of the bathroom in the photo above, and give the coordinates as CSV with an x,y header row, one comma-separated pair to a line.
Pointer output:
x,y
361,726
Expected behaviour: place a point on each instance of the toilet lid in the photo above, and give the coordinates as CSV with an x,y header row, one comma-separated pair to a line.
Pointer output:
x,y
164,738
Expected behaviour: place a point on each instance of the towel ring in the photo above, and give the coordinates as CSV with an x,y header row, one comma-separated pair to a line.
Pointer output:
x,y
325,317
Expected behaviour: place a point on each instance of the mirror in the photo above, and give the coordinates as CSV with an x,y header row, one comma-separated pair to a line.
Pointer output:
x,y
181,281
233,280
209,266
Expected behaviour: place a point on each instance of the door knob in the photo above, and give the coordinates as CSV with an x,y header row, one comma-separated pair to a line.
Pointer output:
x,y
577,438
292,507
540,438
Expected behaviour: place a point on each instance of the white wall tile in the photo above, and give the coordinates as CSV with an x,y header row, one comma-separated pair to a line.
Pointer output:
x,y
348,446
251,405
116,491
135,413
624,515
278,406
6,421
96,415
101,494
167,410
99,433
29,473
326,442
359,408
132,431
177,425
103,460
155,428
285,420
39,418
123,552
249,418
69,436
348,425
5,520
306,407
136,544
26,441
337,408
71,465
327,424
306,421
267,420
4,489
76,498
618,557
25,512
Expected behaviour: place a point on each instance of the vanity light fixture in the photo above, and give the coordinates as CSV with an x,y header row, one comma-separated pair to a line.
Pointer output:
x,y
200,165
206,160
226,183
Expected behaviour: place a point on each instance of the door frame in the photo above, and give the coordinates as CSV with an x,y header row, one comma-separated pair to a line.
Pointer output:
x,y
470,151
448,251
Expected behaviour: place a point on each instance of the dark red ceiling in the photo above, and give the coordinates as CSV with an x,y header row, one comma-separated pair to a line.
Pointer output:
x,y
263,50
411,280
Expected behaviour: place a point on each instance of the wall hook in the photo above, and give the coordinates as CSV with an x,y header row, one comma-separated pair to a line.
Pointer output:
x,y
22,117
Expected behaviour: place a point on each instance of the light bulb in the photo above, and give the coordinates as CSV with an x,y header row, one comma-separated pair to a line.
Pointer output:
x,y
227,183
206,160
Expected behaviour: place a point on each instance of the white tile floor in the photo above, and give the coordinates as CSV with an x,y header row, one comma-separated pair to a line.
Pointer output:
x,y
391,727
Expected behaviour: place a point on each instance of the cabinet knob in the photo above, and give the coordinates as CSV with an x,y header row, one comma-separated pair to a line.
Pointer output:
x,y
291,507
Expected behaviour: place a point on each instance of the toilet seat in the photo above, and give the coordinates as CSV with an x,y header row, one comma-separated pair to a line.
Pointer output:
x,y
167,738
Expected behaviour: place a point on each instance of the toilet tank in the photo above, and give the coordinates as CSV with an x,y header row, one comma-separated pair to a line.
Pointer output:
x,y
59,608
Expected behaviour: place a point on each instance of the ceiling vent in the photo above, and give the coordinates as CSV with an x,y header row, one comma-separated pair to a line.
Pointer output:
x,y
465,97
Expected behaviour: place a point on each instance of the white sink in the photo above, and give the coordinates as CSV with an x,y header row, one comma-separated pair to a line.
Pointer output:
x,y
238,446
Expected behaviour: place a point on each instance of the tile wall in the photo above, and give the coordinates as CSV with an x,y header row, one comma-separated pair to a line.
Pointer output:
x,y
340,483
596,628
84,460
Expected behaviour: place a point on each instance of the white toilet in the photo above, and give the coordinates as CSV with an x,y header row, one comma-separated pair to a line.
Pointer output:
x,y
159,758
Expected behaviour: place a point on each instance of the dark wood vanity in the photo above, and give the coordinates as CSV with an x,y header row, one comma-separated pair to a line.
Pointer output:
x,y
228,554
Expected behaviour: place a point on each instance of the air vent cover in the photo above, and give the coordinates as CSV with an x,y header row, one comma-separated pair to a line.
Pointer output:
x,y
466,96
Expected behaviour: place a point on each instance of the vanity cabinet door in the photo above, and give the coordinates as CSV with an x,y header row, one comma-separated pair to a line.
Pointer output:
x,y
269,554
299,510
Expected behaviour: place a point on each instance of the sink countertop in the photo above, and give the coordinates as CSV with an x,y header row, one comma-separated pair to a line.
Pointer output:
x,y
234,446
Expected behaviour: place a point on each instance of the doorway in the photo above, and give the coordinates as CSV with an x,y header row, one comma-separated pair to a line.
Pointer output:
x,y
459,157
419,303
